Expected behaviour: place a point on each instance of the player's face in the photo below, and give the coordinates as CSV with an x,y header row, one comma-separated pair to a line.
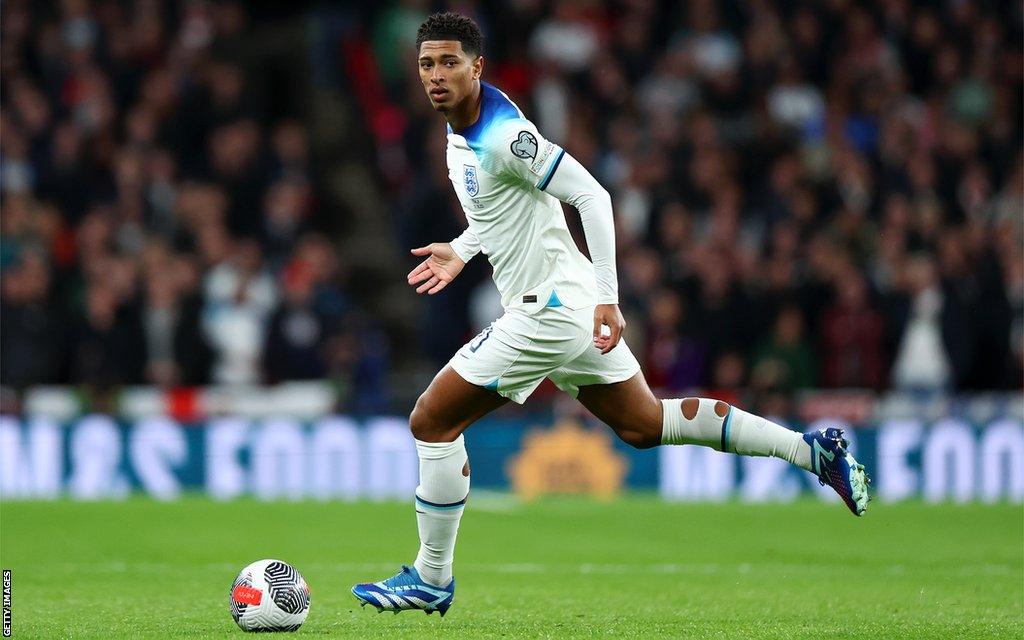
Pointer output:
x,y
447,72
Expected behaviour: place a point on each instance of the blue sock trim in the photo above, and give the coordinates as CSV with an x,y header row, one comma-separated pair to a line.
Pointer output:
x,y
492,385
725,431
553,301
435,505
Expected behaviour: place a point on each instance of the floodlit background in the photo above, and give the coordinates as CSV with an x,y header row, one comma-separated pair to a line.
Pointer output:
x,y
208,206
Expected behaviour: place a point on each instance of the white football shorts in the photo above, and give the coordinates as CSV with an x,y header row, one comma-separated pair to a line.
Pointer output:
x,y
514,354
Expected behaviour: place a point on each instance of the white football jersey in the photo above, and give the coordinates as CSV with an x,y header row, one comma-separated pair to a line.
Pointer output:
x,y
500,167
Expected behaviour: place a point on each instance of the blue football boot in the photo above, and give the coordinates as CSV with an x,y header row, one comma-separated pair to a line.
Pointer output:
x,y
837,468
405,590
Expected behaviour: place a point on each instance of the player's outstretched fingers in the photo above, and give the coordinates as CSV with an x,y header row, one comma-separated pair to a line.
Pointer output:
x,y
421,251
420,273
440,285
428,284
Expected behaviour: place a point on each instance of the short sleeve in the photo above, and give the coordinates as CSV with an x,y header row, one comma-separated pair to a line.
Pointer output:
x,y
519,151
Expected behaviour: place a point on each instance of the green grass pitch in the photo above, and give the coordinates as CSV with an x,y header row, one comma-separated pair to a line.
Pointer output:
x,y
558,568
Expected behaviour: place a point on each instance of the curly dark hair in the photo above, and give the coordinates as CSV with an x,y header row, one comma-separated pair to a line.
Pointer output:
x,y
452,26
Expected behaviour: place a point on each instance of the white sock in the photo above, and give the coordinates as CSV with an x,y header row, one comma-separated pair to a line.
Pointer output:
x,y
736,431
440,500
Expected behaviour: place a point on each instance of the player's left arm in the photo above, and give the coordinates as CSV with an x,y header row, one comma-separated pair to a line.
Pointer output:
x,y
523,153
574,185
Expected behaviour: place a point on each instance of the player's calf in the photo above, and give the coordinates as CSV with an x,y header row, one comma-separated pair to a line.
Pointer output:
x,y
629,408
638,432
716,424
638,439
642,420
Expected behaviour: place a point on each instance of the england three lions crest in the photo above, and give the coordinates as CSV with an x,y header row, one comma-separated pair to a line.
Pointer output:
x,y
469,179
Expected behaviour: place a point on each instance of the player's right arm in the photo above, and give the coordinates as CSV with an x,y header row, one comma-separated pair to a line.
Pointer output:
x,y
466,245
443,263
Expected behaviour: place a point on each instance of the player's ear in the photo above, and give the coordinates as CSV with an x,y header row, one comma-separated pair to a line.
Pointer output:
x,y
478,67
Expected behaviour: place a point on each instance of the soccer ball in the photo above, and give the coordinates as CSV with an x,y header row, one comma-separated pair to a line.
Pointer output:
x,y
269,595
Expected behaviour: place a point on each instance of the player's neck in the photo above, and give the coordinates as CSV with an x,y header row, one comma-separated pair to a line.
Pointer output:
x,y
467,112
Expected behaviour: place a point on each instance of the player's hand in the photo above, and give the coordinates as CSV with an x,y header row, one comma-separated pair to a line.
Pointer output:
x,y
440,268
610,316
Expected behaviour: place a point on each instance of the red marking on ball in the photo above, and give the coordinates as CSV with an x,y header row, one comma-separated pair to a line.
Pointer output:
x,y
247,595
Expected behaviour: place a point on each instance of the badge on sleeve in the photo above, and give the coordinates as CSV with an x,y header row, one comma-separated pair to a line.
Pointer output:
x,y
525,146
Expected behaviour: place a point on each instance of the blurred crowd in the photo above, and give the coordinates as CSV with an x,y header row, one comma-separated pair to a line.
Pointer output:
x,y
161,215
807,194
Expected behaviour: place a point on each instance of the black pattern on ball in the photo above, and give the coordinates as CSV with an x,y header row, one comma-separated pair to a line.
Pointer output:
x,y
286,587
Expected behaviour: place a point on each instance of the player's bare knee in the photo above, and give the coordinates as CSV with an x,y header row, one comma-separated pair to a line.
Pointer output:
x,y
418,421
423,422
428,424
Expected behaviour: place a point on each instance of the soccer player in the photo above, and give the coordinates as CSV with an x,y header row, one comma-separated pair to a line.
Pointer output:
x,y
561,320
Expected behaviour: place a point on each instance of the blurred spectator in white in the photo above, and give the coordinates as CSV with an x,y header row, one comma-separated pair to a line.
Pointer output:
x,y
239,295
933,339
715,51
568,39
796,103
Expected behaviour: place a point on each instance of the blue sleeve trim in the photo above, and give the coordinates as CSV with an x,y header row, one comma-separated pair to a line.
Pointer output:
x,y
551,172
